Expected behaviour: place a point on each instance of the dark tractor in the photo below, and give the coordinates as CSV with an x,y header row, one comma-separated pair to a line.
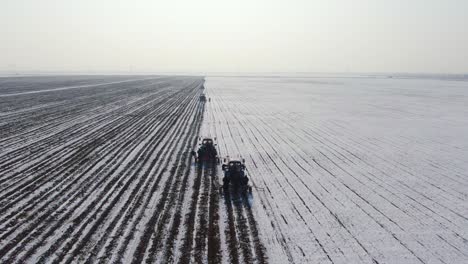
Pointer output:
x,y
235,175
206,151
202,98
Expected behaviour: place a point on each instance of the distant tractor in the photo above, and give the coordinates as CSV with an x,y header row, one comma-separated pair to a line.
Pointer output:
x,y
206,151
202,98
235,175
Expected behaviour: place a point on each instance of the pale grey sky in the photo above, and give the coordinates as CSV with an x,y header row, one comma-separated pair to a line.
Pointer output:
x,y
235,36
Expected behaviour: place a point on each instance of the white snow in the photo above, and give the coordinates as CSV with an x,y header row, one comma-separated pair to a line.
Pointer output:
x,y
350,169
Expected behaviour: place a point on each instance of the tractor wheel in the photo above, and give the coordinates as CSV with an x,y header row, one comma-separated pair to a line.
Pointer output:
x,y
245,181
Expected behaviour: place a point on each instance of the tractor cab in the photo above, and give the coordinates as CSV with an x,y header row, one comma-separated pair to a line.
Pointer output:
x,y
234,166
235,175
207,142
203,98
206,150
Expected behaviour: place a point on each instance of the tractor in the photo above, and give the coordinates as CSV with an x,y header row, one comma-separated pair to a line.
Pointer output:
x,y
235,175
203,98
206,151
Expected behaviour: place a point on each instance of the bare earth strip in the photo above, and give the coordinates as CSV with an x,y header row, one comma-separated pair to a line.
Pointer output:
x,y
98,170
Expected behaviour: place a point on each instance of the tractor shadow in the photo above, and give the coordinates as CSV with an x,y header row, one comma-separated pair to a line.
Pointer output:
x,y
237,197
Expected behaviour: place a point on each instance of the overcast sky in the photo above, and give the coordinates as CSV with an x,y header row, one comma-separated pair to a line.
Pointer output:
x,y
235,36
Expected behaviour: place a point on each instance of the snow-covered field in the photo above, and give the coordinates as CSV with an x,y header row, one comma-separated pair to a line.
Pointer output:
x,y
350,170
346,169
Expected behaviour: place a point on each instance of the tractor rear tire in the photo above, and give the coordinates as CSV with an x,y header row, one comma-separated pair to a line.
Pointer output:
x,y
225,183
